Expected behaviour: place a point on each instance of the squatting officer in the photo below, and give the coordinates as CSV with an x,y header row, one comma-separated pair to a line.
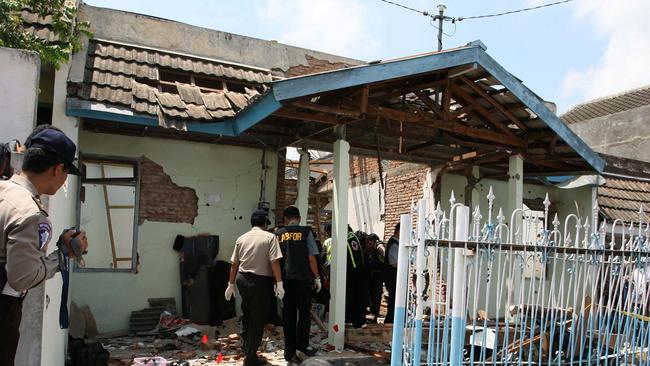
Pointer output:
x,y
27,230
300,276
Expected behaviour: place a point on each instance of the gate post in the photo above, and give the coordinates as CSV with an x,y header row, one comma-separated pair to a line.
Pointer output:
x,y
406,228
459,284
419,282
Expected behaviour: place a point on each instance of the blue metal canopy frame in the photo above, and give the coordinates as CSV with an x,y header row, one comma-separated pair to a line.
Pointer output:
x,y
286,90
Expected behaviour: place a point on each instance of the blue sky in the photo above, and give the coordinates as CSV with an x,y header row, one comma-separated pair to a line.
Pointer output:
x,y
567,53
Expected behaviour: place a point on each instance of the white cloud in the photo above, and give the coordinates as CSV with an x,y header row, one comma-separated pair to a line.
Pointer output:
x,y
624,63
335,26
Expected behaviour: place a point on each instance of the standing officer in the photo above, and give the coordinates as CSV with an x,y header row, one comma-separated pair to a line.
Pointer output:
x,y
299,271
27,229
390,276
376,274
255,261
356,288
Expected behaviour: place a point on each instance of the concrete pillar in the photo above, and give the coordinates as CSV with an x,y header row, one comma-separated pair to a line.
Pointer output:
x,y
515,189
302,200
476,195
515,201
62,212
341,174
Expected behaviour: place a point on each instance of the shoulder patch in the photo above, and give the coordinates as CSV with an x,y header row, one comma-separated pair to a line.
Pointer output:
x,y
355,245
44,233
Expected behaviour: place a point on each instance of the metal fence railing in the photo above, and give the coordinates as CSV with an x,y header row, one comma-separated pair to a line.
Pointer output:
x,y
540,292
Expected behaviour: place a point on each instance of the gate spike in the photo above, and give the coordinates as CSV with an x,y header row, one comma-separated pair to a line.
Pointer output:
x,y
547,202
500,217
490,196
556,222
452,199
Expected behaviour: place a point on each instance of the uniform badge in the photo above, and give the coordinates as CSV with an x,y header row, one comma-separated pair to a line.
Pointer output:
x,y
44,232
355,245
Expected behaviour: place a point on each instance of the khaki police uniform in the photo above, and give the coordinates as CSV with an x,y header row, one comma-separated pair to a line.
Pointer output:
x,y
254,251
27,231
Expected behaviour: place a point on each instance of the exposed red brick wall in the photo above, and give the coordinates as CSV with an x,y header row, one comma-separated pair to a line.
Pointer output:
x,y
313,66
162,200
363,166
401,190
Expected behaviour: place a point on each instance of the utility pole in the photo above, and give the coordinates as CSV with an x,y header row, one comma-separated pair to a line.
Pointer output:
x,y
440,18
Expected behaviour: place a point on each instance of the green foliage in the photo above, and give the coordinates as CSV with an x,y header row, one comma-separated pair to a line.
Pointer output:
x,y
63,23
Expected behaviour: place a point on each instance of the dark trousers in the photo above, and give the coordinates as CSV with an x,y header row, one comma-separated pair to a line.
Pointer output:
x,y
11,310
391,284
356,298
296,313
376,290
255,303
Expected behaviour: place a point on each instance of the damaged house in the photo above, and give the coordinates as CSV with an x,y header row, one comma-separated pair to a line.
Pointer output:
x,y
185,134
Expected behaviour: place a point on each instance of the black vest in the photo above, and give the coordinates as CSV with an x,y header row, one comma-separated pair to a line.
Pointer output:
x,y
295,255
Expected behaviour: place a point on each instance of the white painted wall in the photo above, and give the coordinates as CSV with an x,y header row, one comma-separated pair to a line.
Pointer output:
x,y
232,172
364,208
19,76
62,211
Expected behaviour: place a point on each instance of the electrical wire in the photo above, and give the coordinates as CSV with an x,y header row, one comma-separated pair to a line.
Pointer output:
x,y
433,24
513,11
425,13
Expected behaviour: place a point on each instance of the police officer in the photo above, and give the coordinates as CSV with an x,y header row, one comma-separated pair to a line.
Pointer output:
x,y
376,274
390,274
356,292
300,275
27,230
255,261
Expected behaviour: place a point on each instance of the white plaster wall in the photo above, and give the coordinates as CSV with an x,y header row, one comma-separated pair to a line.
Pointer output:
x,y
62,211
19,76
364,208
232,172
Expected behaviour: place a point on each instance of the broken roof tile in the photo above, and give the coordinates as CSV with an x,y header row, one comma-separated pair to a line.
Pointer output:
x,y
238,100
144,91
169,100
198,112
190,93
216,101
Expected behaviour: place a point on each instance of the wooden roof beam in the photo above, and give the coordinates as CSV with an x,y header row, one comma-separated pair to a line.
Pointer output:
x,y
485,113
494,102
430,122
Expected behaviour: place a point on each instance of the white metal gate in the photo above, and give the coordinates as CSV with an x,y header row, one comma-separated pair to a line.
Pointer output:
x,y
586,303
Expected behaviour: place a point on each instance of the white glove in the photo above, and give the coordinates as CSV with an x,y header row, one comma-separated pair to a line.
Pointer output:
x,y
317,285
230,291
279,290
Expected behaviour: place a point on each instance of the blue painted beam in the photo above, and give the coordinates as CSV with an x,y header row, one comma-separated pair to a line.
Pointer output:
x,y
255,113
215,128
110,116
366,74
538,107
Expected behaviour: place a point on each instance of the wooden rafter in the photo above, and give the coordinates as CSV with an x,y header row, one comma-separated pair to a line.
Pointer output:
x,y
483,94
430,122
485,113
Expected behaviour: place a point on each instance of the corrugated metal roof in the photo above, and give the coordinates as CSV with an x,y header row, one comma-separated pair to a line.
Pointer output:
x,y
608,105
622,198
130,76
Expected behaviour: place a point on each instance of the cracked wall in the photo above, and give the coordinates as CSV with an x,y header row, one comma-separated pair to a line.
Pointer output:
x,y
162,200
222,183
